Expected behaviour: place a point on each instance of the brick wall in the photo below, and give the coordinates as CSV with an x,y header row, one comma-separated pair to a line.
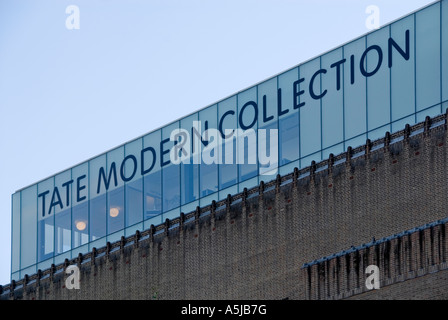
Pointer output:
x,y
254,247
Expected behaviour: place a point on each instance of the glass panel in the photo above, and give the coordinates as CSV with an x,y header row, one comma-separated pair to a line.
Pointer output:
x,y
310,116
114,237
208,172
175,213
378,79
61,258
189,207
402,70
115,211
247,135
227,115
289,137
80,211
354,89
132,229
338,149
48,199
400,124
306,162
287,169
205,201
378,133
134,202
190,167
155,221
100,180
287,108
15,276
63,231
356,142
28,233
249,184
333,101
45,264
153,175
63,213
444,31
29,271
115,196
267,103
231,190
432,112
267,129
170,172
427,53
134,187
15,247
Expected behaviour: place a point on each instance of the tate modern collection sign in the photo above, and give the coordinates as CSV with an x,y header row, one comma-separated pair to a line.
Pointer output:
x,y
142,163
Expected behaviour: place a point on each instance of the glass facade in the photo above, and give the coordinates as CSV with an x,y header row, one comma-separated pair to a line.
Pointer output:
x,y
395,75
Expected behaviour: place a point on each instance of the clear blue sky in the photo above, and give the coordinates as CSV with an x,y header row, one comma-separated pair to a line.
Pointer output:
x,y
135,65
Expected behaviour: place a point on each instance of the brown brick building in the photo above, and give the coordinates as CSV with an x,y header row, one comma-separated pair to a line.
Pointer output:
x,y
307,235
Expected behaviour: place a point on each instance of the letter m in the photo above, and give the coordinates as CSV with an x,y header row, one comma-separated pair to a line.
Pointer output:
x,y
102,176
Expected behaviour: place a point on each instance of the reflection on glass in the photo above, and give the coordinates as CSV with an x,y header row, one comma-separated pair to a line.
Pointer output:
x,y
63,234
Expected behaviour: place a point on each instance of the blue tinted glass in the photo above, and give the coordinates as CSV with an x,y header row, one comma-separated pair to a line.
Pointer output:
x,y
153,194
431,112
427,54
98,217
49,199
170,172
115,197
133,187
289,133
29,227
267,104
289,138
171,190
332,102
62,234
208,171
63,213
378,80
45,238
80,225
267,137
153,175
134,202
227,120
15,246
115,213
190,167
98,185
354,89
190,182
402,70
247,135
310,115
80,210
444,30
